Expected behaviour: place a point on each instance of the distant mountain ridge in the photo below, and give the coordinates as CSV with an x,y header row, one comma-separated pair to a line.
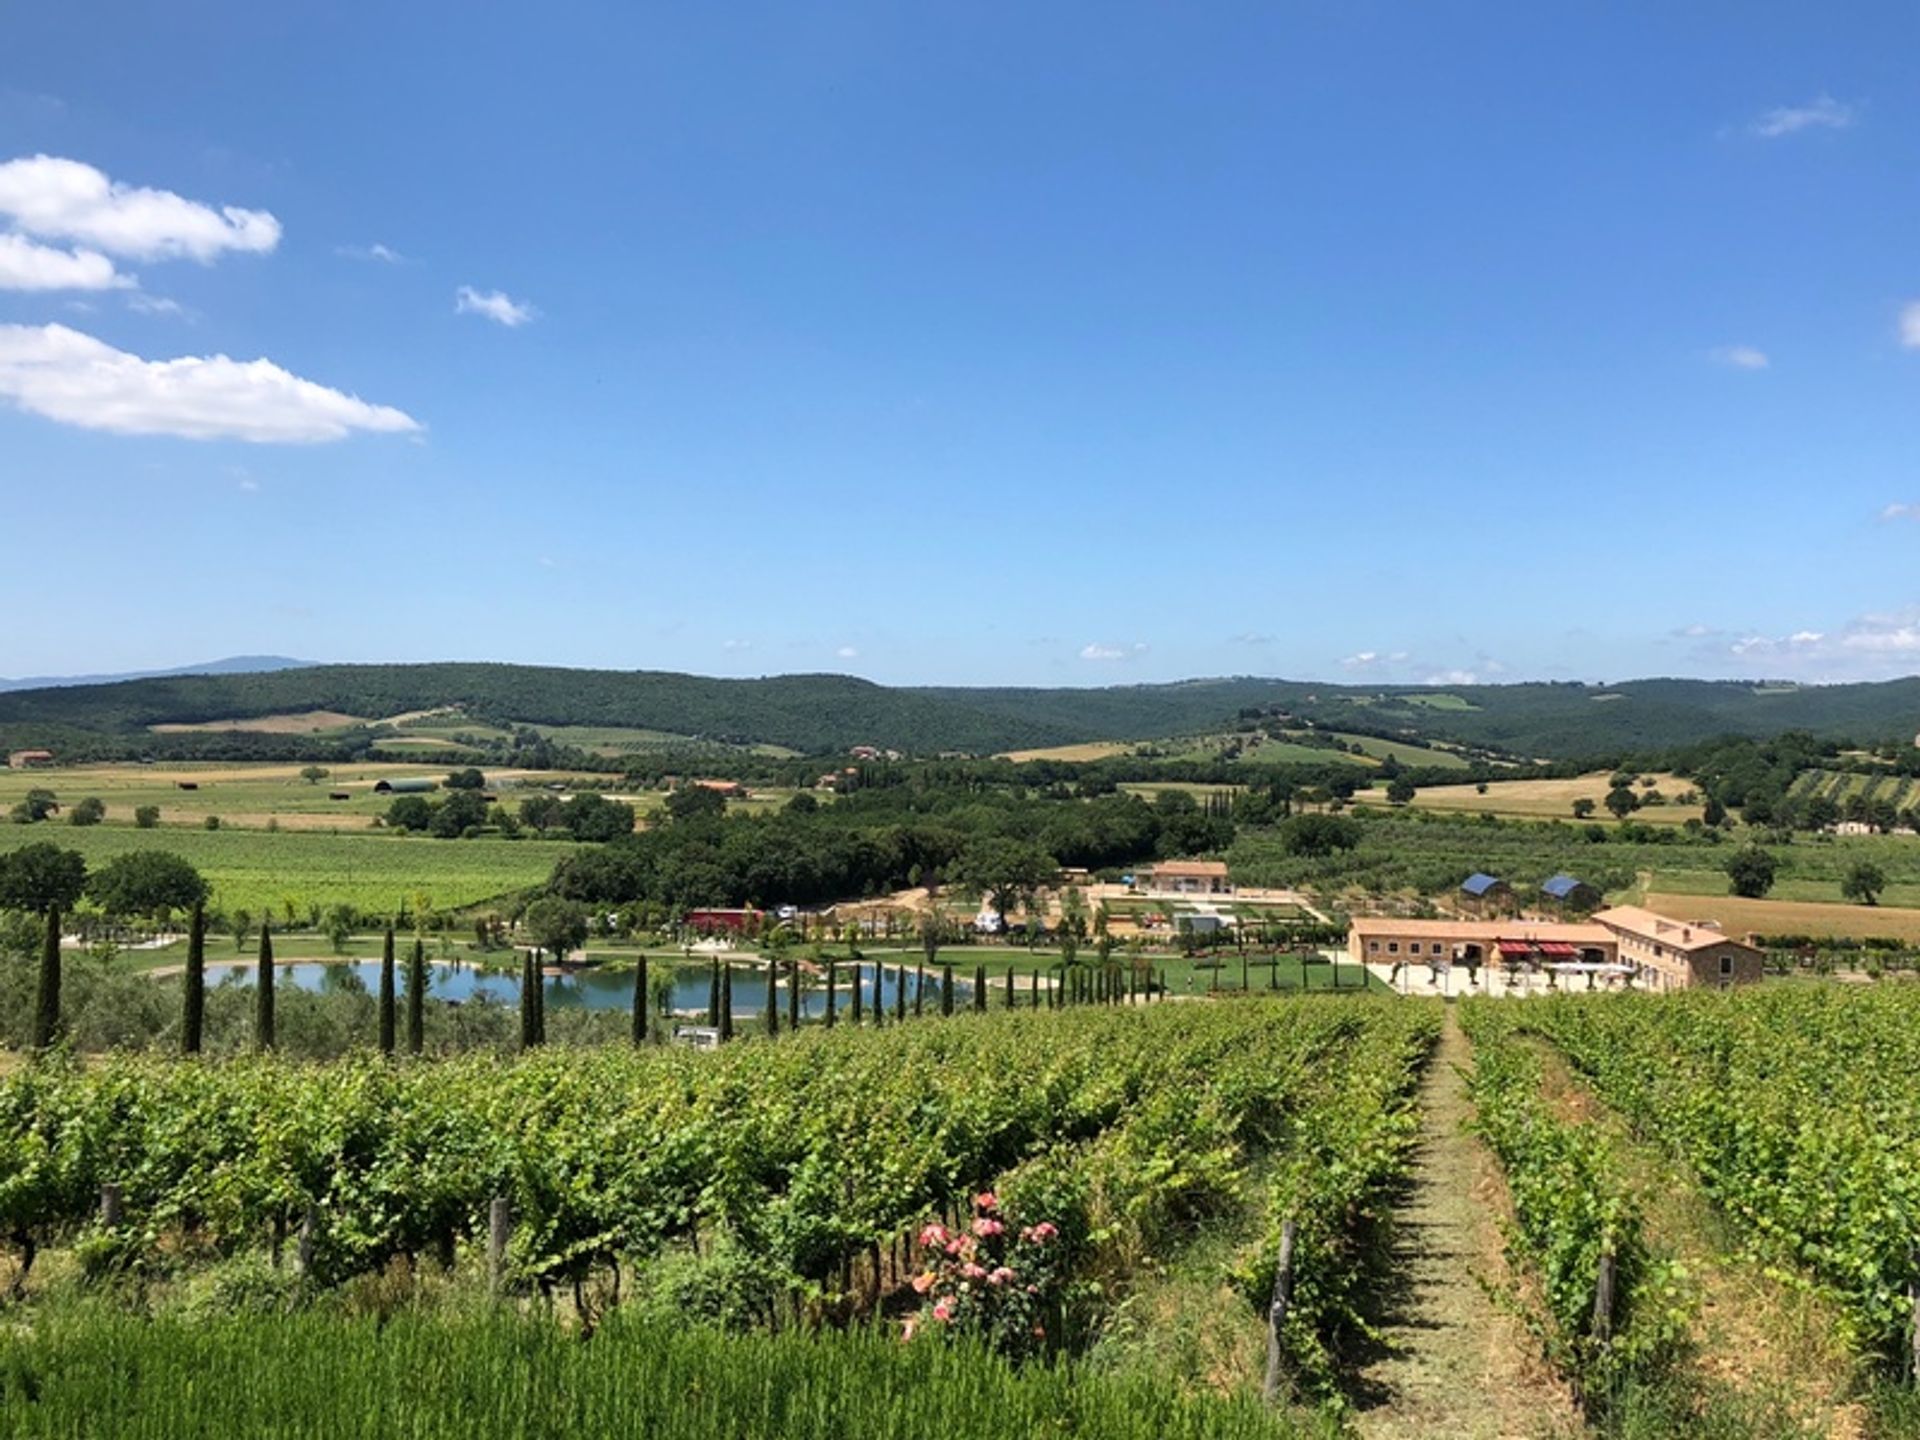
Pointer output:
x,y
827,714
231,665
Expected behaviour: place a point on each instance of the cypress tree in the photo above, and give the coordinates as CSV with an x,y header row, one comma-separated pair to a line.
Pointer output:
x,y
527,978
1034,988
856,994
793,994
980,987
417,998
386,993
1245,984
946,989
899,993
726,1003
193,1022
46,997
263,991
640,1001
1011,1001
714,985
830,995
773,998
919,991
539,998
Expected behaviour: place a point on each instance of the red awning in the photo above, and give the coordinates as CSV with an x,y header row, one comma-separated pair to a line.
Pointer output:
x,y
1557,950
1518,949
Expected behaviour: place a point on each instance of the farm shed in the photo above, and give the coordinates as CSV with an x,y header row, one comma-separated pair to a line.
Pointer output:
x,y
29,759
405,787
1682,953
1570,893
1485,893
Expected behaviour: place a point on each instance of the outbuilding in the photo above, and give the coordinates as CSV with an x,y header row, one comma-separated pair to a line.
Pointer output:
x,y
405,787
1570,893
1484,893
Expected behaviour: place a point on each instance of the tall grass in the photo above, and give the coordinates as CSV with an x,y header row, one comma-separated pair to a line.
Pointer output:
x,y
102,1373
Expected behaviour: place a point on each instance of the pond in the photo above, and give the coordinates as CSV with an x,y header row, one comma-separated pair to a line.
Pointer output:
x,y
595,989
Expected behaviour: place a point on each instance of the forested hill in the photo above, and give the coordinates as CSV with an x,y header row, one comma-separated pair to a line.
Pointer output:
x,y
829,713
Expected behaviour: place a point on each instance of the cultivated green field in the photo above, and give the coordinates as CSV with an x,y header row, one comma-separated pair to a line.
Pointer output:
x,y
261,870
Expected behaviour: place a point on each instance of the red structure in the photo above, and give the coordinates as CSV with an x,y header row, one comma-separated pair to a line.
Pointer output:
x,y
732,922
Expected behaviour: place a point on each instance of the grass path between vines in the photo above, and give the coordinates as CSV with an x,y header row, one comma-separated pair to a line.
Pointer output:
x,y
1454,1363
1763,1351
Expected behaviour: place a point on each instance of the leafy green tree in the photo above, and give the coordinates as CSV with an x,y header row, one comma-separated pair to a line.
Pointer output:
x,y
1751,871
1006,871
339,928
147,883
212,822
1714,813
1317,835
36,805
410,812
41,877
90,811
695,802
1401,790
146,817
557,926
1622,802
1583,808
314,774
1863,883
468,779
240,926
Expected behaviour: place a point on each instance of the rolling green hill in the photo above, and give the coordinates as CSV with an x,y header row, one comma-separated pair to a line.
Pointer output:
x,y
829,713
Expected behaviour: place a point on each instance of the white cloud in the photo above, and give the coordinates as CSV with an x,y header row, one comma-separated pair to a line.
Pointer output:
x,y
1373,659
76,379
28,265
1821,113
1695,631
1901,510
57,199
1910,326
1740,357
155,305
493,304
1250,637
1095,650
736,644
386,255
1452,677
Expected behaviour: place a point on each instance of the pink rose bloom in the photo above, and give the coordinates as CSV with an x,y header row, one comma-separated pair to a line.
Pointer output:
x,y
984,1227
1045,1231
1000,1276
955,1246
943,1310
986,1200
923,1282
933,1235
972,1271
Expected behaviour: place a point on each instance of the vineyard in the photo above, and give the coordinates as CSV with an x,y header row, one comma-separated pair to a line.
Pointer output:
x,y
814,1185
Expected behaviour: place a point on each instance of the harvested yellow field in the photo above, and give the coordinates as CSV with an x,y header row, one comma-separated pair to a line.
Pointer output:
x,y
307,722
1073,754
1791,917
1546,799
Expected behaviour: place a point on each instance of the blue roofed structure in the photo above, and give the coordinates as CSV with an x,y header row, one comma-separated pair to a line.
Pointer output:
x,y
1481,885
1572,892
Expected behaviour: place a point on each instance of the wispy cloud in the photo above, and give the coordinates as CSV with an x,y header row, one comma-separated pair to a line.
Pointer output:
x,y
75,379
1739,357
28,265
1250,637
495,305
1910,325
383,254
1105,653
1901,510
1374,659
156,305
847,652
1821,113
736,644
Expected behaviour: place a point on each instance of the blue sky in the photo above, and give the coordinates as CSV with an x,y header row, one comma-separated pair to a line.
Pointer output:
x,y
1066,344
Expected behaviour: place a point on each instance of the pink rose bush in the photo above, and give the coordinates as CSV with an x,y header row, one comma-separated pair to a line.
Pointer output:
x,y
993,1278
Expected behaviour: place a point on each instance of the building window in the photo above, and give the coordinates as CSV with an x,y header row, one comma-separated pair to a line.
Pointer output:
x,y
1393,947
1437,948
1373,947
1726,965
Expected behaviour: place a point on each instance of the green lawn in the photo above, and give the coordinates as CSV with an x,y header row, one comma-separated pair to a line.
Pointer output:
x,y
372,870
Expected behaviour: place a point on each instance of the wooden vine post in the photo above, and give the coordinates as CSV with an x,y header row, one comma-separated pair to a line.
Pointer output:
x,y
1277,1314
499,1227
1603,1283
